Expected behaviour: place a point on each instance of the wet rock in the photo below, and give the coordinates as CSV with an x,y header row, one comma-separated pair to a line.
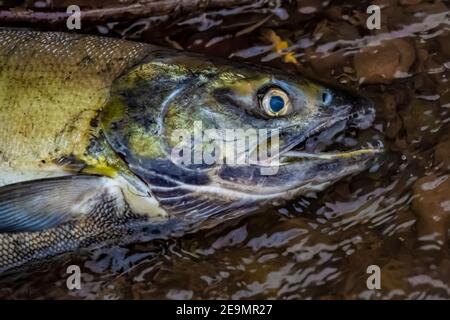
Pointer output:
x,y
442,154
394,123
324,64
381,64
393,15
308,6
410,2
427,8
422,57
393,275
358,18
431,204
444,42
421,122
424,84
334,13
332,31
393,127
326,33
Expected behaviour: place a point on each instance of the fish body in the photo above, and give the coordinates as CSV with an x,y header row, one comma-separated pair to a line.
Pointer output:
x,y
52,86
89,125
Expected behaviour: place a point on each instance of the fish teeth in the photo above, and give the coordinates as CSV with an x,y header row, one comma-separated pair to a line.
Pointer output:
x,y
380,144
377,144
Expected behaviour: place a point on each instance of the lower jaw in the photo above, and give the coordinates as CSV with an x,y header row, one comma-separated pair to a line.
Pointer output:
x,y
332,155
369,151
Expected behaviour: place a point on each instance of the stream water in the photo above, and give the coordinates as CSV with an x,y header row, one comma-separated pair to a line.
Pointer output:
x,y
319,246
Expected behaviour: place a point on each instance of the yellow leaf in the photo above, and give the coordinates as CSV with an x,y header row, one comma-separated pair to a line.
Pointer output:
x,y
279,46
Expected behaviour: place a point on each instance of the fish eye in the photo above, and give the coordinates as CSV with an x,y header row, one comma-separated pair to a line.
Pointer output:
x,y
327,97
276,102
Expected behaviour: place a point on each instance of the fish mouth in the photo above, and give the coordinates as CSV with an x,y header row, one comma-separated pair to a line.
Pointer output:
x,y
335,139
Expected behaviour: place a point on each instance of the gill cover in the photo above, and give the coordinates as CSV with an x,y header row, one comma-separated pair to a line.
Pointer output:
x,y
145,105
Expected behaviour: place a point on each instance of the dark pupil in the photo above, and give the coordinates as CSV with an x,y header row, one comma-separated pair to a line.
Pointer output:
x,y
276,103
326,97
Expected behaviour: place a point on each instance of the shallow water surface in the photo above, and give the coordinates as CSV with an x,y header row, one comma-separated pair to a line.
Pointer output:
x,y
318,246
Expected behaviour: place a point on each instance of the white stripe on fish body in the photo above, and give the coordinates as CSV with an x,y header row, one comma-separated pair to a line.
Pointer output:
x,y
10,176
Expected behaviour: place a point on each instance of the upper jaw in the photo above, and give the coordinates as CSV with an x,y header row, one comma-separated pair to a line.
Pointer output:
x,y
312,143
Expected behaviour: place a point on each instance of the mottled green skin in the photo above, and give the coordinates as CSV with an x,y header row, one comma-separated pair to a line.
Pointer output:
x,y
52,86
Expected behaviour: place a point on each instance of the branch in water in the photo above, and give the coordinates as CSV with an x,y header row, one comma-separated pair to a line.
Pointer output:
x,y
128,12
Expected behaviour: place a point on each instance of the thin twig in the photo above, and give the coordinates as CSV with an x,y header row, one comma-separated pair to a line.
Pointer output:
x,y
128,12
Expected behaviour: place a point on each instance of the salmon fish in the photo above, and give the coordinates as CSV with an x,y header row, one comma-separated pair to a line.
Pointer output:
x,y
101,138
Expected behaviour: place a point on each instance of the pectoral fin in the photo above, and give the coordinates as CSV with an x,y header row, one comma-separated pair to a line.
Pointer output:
x,y
41,204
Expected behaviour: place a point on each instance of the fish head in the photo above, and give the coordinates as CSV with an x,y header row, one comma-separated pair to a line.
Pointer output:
x,y
219,138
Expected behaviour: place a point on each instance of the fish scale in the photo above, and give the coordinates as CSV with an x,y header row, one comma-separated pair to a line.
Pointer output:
x,y
104,224
51,86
